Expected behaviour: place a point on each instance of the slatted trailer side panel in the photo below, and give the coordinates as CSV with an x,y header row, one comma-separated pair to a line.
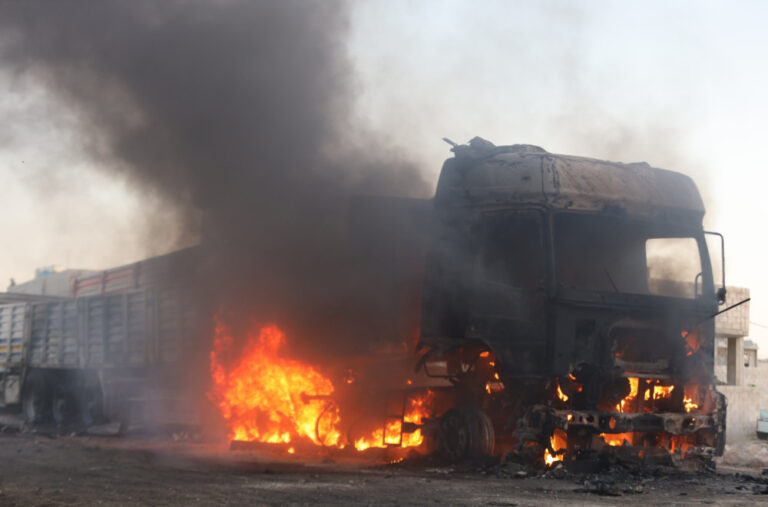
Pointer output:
x,y
12,317
54,339
127,329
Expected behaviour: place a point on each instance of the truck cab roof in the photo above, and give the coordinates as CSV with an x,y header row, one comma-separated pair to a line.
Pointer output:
x,y
484,175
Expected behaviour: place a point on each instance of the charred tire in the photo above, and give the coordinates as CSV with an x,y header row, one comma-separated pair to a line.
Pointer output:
x,y
722,409
91,406
331,409
64,407
465,433
36,399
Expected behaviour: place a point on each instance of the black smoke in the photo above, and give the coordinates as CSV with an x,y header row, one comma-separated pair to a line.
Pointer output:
x,y
239,115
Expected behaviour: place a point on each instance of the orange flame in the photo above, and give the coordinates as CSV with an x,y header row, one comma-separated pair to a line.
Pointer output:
x,y
559,442
692,344
624,405
617,439
659,392
549,459
689,404
390,434
691,397
268,398
265,397
494,386
681,442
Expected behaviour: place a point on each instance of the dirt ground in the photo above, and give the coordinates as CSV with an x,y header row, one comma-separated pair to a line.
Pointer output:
x,y
86,470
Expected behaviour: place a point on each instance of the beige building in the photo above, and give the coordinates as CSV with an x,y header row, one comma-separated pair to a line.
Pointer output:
x,y
731,331
742,377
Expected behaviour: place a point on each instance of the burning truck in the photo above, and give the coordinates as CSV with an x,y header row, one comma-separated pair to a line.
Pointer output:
x,y
570,303
561,309
554,307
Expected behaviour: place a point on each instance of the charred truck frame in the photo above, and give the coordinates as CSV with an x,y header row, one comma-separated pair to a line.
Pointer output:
x,y
569,302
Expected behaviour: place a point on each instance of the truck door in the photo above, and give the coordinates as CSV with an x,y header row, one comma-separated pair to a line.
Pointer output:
x,y
509,280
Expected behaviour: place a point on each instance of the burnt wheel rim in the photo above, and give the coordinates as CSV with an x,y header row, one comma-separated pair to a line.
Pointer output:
x,y
64,409
454,437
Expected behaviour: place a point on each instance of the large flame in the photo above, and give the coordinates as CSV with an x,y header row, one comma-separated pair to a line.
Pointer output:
x,y
266,397
269,398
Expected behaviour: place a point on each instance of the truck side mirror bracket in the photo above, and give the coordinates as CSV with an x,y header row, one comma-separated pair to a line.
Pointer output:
x,y
721,295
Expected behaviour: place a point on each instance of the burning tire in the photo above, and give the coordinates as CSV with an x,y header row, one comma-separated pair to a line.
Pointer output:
x,y
36,399
465,433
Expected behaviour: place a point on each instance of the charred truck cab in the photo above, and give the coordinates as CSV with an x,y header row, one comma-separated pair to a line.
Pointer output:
x,y
570,303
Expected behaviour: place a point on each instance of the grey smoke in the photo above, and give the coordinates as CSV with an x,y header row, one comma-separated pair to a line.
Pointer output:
x,y
236,111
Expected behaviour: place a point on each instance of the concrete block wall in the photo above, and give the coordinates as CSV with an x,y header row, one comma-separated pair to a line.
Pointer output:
x,y
749,389
743,412
731,328
721,373
734,322
757,376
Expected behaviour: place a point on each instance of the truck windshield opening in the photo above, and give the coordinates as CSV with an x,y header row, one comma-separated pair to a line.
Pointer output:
x,y
610,254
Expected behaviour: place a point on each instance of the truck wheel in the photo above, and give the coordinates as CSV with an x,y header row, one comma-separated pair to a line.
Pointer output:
x,y
64,407
35,399
465,433
91,407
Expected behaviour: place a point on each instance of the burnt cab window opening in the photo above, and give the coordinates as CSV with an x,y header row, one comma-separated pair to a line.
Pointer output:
x,y
618,254
511,250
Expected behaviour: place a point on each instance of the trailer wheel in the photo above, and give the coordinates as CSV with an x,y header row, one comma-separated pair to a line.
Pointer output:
x,y
465,433
64,407
91,406
35,399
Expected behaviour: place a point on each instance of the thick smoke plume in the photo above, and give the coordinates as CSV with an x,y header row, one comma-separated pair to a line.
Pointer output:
x,y
238,114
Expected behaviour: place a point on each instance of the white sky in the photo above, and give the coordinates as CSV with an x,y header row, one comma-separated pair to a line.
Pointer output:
x,y
681,85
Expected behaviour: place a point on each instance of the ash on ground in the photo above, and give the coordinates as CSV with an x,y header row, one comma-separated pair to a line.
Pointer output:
x,y
740,471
